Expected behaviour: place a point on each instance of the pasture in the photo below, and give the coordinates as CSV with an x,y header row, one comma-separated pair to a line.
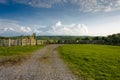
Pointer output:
x,y
92,62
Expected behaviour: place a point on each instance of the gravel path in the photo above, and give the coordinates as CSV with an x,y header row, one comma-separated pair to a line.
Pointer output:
x,y
45,64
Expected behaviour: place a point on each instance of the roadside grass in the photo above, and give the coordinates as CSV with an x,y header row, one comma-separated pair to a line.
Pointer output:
x,y
16,53
92,62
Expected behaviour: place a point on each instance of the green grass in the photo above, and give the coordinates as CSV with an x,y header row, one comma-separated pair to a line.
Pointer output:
x,y
92,62
18,50
16,54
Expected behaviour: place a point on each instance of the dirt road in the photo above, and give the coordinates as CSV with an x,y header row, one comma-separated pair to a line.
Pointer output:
x,y
45,64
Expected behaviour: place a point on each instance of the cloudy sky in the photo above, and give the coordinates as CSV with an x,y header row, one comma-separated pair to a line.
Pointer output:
x,y
59,17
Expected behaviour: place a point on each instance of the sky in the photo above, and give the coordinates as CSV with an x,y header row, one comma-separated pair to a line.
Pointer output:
x,y
59,17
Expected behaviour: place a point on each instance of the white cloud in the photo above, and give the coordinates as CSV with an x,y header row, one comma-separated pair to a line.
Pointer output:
x,y
58,24
37,31
72,29
84,5
9,26
40,3
8,29
97,5
25,29
13,28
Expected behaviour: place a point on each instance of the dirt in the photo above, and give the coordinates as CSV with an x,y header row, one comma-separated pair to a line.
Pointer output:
x,y
45,64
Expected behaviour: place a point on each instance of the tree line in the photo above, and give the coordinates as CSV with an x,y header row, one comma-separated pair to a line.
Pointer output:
x,y
113,39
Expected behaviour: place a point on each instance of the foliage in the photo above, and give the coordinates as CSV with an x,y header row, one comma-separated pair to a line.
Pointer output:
x,y
59,37
93,62
113,39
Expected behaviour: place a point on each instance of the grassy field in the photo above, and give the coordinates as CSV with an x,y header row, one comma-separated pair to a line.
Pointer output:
x,y
92,62
18,50
16,53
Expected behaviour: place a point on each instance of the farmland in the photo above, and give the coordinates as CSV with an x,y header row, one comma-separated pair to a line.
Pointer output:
x,y
99,62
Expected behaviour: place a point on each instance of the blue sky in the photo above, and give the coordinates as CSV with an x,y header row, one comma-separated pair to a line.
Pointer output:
x,y
59,17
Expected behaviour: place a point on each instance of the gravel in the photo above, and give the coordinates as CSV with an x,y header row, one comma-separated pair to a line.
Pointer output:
x,y
45,64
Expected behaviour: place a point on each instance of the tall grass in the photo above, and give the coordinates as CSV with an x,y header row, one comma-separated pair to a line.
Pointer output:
x,y
93,62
